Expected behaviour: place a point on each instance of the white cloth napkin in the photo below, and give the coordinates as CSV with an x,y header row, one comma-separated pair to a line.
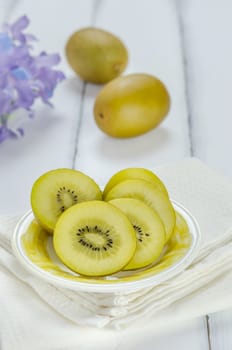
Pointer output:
x,y
204,287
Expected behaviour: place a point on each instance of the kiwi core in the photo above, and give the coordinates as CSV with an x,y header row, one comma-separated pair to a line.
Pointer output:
x,y
94,238
66,198
140,234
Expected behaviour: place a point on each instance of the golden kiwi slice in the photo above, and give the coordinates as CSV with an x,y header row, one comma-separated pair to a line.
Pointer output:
x,y
94,238
55,191
149,230
134,173
151,195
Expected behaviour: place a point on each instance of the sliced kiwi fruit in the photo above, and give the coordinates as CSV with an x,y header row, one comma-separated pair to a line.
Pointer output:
x,y
134,173
150,231
56,190
94,238
151,195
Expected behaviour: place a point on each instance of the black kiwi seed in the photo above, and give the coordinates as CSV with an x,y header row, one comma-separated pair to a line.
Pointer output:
x,y
60,193
87,243
139,233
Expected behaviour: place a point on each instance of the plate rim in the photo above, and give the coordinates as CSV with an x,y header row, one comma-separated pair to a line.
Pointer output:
x,y
118,287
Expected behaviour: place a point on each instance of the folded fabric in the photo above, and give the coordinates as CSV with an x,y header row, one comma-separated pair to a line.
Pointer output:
x,y
208,196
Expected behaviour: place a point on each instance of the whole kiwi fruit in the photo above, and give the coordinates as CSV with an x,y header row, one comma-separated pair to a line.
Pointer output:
x,y
96,55
131,105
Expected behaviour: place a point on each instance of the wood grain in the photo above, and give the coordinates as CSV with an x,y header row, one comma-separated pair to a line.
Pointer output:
x,y
207,31
208,52
220,330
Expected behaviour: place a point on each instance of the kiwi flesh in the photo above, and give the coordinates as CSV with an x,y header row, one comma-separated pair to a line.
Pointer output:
x,y
56,190
150,231
134,173
94,238
151,195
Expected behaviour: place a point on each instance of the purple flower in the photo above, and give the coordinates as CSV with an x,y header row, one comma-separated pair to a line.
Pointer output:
x,y
23,77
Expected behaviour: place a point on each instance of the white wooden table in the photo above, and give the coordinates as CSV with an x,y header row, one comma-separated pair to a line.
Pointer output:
x,y
188,45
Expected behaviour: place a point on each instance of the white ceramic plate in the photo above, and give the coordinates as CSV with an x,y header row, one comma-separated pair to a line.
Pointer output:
x,y
42,261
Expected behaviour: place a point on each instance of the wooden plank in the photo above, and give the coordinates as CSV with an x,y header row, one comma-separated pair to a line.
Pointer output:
x,y
220,330
209,55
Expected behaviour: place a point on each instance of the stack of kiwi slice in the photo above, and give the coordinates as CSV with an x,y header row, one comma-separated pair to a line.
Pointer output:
x,y
98,233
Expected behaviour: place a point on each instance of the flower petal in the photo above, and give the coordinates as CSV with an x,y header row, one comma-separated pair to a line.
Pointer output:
x,y
44,60
5,42
24,77
18,27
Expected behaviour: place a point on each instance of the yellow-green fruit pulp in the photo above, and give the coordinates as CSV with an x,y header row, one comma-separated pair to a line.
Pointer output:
x,y
96,55
131,105
57,190
94,238
150,231
134,173
151,195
